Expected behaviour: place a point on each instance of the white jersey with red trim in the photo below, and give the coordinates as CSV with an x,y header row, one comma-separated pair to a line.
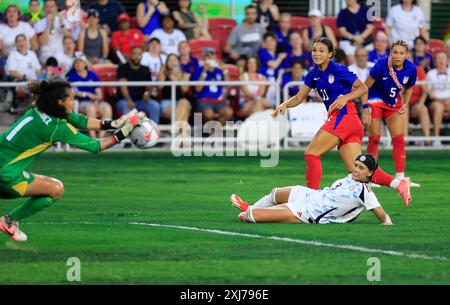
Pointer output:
x,y
340,203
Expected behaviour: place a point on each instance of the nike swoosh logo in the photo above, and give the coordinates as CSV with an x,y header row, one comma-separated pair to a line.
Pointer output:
x,y
385,78
6,230
316,78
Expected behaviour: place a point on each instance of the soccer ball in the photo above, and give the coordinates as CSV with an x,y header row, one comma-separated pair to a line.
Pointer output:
x,y
145,135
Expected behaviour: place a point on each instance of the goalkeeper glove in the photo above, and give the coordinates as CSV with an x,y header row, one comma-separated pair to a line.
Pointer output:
x,y
130,123
115,124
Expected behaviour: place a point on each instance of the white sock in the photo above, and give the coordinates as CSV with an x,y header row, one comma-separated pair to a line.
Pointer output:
x,y
264,202
395,183
248,216
400,175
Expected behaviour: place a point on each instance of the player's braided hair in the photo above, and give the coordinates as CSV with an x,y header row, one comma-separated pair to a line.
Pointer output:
x,y
390,66
45,96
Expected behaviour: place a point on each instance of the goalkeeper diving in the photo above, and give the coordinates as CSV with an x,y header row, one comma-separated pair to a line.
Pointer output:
x,y
50,119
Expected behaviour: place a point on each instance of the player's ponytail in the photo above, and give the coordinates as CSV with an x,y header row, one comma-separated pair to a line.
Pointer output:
x,y
46,97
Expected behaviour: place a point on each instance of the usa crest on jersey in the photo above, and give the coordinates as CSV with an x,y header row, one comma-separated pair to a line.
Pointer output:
x,y
405,79
331,78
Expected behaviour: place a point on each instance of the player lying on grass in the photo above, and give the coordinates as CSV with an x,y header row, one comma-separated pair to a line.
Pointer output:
x,y
49,120
342,202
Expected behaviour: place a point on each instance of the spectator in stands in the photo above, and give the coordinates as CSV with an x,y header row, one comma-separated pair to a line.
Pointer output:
x,y
169,36
421,57
68,55
297,53
361,66
188,62
439,93
417,107
295,74
136,97
148,14
93,40
190,23
74,18
283,32
153,58
381,47
270,61
51,31
13,27
316,30
34,14
355,29
172,71
22,64
405,21
89,97
125,39
245,39
268,15
340,57
252,99
210,99
51,71
109,11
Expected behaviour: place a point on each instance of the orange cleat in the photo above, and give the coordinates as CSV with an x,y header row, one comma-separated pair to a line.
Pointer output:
x,y
239,203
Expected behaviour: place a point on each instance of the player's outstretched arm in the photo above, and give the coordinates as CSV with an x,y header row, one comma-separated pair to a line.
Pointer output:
x,y
296,100
118,135
358,90
381,215
95,124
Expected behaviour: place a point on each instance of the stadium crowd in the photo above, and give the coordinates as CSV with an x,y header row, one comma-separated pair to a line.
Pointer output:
x,y
102,42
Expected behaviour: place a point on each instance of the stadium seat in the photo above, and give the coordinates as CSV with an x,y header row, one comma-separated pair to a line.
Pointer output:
x,y
378,24
331,22
107,73
435,46
197,46
220,29
299,23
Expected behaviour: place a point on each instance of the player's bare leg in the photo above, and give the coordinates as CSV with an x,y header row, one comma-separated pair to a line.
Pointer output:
x,y
44,191
280,214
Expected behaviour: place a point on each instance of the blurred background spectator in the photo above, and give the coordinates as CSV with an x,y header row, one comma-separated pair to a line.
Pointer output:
x,y
89,97
316,30
22,64
153,59
51,71
355,29
188,62
439,93
269,60
168,35
109,11
210,99
295,74
13,27
245,39
125,39
421,57
51,31
34,14
67,56
172,71
190,23
148,14
381,47
252,97
417,108
138,97
93,40
362,66
405,21
74,18
283,31
297,53
268,14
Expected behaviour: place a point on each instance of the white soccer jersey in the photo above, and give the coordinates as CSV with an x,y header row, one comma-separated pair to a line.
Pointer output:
x,y
440,90
8,35
340,203
169,41
405,25
27,64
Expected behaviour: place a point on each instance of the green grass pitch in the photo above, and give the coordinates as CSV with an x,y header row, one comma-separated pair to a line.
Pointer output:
x,y
105,192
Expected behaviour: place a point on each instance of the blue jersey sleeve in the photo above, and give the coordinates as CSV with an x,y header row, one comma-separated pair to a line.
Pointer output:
x,y
309,81
347,76
376,70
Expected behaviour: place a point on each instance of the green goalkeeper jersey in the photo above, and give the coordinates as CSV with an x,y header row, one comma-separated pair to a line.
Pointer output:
x,y
33,133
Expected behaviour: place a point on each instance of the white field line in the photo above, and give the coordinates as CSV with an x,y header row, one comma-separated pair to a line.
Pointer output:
x,y
277,238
